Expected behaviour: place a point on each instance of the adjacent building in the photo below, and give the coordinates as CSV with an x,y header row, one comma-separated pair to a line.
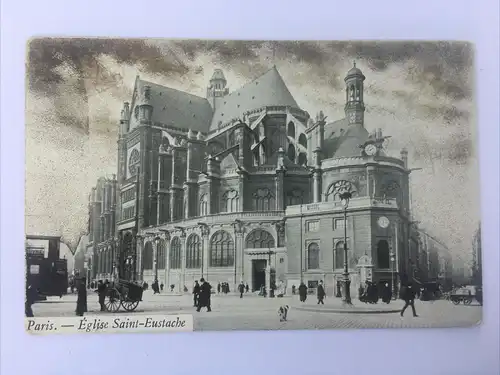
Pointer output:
x,y
101,244
245,186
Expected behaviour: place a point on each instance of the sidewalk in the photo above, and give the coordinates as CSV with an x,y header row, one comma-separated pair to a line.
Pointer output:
x,y
335,306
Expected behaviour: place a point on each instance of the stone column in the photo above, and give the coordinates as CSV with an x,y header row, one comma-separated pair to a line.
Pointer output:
x,y
240,258
183,261
138,257
205,234
167,261
155,258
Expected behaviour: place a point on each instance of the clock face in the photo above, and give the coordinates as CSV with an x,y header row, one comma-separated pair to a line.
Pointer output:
x,y
383,222
371,149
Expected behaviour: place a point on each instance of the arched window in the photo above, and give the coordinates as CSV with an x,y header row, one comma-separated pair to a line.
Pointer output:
x,y
193,251
259,239
133,162
383,256
291,129
230,201
221,250
295,196
231,139
392,190
291,153
302,159
338,187
352,92
263,200
175,253
127,244
303,140
358,92
160,255
204,205
339,255
313,256
147,256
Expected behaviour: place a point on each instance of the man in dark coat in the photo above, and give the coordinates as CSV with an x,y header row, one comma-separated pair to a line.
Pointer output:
x,y
31,295
321,293
302,292
81,302
246,288
204,297
408,295
218,288
196,293
241,289
101,292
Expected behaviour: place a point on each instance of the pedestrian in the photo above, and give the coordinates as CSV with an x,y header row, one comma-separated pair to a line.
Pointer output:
x,y
101,292
81,302
302,292
155,287
321,293
218,288
246,288
172,288
293,289
204,296
241,289
196,293
31,295
161,287
408,295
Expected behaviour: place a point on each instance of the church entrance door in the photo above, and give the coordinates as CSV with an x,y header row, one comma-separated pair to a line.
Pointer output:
x,y
258,273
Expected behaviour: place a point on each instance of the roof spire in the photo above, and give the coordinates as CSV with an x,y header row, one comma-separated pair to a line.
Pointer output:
x,y
354,62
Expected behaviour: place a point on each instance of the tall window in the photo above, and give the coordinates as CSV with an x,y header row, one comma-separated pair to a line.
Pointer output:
x,y
221,250
303,140
160,255
193,251
339,255
147,256
383,256
313,256
204,205
294,197
263,200
230,201
302,160
259,239
175,253
291,129
133,162
291,153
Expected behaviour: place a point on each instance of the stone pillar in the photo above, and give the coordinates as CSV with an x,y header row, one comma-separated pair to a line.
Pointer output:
x,y
138,256
268,279
205,235
317,185
241,192
167,261
155,258
240,258
280,195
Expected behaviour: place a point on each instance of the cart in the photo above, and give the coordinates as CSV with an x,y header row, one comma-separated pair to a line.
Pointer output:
x,y
461,295
122,293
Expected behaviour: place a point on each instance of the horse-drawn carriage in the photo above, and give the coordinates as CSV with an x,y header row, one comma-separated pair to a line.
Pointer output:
x,y
463,295
122,293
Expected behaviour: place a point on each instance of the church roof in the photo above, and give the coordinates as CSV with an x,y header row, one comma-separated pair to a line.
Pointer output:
x,y
267,90
178,108
343,140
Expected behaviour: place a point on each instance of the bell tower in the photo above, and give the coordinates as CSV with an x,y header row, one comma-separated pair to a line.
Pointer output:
x,y
217,88
354,106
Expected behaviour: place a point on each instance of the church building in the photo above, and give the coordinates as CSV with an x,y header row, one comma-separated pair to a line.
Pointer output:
x,y
245,186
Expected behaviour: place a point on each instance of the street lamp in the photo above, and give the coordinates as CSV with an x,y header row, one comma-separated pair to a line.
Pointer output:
x,y
346,292
157,242
393,286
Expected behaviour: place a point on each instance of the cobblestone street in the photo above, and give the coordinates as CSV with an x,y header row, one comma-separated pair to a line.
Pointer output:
x,y
256,313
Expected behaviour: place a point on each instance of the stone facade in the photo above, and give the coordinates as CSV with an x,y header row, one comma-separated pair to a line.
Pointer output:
x,y
101,246
244,186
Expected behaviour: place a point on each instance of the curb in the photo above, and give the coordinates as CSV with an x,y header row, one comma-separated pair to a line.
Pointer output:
x,y
347,311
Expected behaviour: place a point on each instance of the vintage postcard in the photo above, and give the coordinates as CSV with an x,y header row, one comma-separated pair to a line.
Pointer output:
x,y
179,185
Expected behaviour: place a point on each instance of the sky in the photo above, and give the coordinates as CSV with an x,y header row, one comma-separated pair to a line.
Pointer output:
x,y
420,93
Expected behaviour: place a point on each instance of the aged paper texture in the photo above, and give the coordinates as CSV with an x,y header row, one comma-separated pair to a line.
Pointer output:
x,y
178,185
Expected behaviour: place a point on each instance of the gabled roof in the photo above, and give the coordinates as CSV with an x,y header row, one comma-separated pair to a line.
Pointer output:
x,y
267,90
178,108
343,140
